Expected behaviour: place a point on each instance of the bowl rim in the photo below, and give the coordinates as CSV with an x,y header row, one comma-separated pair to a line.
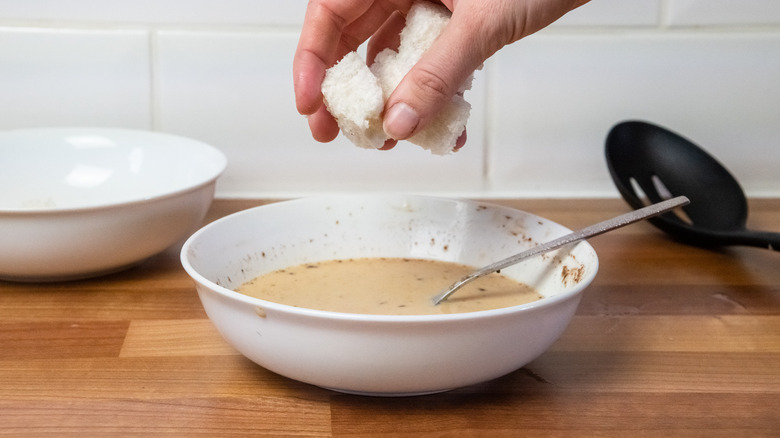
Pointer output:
x,y
219,162
546,301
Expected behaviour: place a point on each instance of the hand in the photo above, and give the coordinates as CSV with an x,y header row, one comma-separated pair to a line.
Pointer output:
x,y
477,29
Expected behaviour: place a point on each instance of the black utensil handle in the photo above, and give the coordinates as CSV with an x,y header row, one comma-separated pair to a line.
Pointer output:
x,y
760,239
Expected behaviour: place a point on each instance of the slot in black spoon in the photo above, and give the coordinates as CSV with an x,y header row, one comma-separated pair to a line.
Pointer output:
x,y
645,159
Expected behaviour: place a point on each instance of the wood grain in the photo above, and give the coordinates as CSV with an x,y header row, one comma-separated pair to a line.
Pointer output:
x,y
669,340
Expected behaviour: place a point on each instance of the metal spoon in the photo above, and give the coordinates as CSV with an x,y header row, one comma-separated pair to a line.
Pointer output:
x,y
576,236
646,158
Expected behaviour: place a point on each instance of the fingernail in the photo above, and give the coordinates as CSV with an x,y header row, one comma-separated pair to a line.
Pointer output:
x,y
400,121
461,141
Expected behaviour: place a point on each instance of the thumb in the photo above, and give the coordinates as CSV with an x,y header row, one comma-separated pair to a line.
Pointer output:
x,y
434,79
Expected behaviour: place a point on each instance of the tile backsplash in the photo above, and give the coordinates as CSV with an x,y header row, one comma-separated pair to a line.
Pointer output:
x,y
220,72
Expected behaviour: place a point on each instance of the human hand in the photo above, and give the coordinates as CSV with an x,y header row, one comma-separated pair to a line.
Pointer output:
x,y
477,29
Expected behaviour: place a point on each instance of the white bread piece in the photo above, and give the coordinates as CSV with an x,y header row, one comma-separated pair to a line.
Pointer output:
x,y
441,134
354,98
424,23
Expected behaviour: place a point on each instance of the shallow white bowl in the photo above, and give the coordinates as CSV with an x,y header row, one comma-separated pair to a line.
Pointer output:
x,y
80,202
384,354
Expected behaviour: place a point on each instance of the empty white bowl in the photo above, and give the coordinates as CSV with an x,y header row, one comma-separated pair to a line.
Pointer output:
x,y
81,202
385,354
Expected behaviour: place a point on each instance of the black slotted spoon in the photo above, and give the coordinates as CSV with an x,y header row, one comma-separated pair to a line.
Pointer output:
x,y
648,161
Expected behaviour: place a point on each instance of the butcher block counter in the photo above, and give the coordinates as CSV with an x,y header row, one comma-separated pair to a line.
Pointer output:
x,y
669,340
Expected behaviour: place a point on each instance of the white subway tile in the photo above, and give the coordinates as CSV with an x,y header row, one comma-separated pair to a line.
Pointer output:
x,y
74,77
555,97
613,13
234,90
221,72
158,11
723,12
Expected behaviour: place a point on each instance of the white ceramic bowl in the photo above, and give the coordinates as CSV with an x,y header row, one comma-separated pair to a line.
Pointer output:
x,y
385,354
80,202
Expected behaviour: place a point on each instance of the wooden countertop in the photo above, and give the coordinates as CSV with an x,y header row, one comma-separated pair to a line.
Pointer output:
x,y
669,340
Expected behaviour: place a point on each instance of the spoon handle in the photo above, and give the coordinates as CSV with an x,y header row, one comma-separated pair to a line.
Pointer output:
x,y
576,236
760,239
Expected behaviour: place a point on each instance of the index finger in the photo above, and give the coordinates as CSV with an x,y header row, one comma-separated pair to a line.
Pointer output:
x,y
318,44
331,29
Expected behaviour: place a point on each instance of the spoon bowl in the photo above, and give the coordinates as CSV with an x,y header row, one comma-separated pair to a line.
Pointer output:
x,y
650,162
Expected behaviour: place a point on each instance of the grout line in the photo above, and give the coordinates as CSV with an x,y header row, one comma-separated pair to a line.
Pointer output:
x,y
662,26
243,195
487,138
147,25
154,85
664,15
